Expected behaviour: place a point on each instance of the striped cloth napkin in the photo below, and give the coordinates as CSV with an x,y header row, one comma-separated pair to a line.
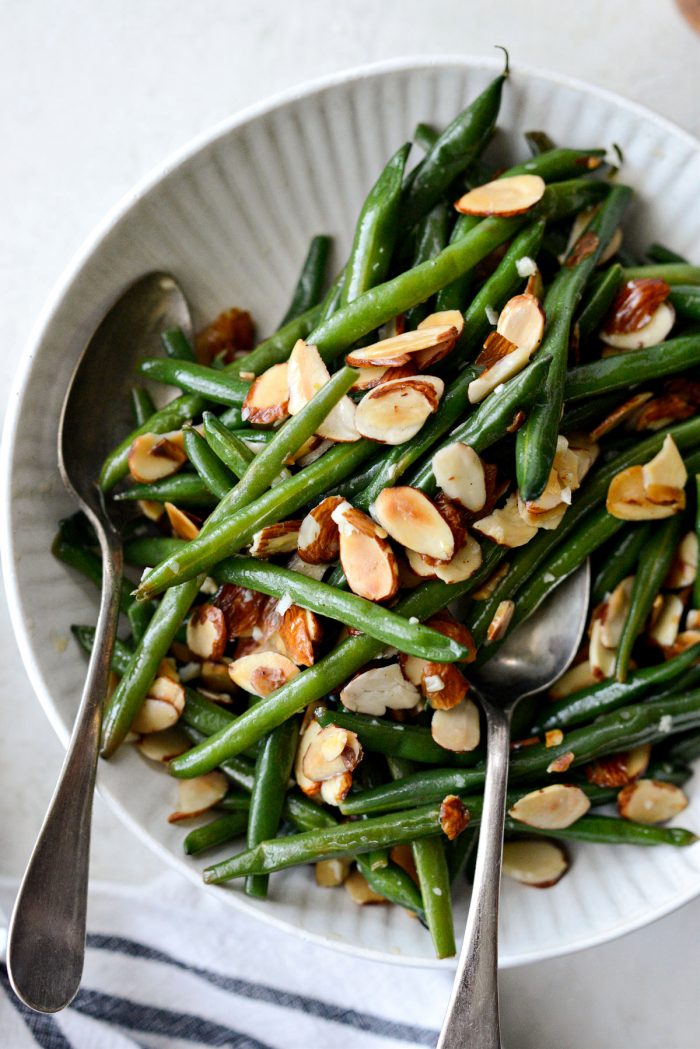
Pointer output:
x,y
167,967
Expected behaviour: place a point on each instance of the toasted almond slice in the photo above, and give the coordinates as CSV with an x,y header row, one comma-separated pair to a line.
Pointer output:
x,y
553,738
153,456
412,668
402,856
267,399
445,623
368,561
199,794
444,318
331,873
629,500
372,375
651,801
164,746
653,332
310,730
551,808
464,563
684,568
162,706
455,319
562,763
635,305
501,621
501,371
504,196
398,349
394,411
181,523
616,609
685,640
319,538
620,414
262,672
484,592
460,473
422,568
330,753
577,677
505,526
578,229
584,451
312,571
242,608
458,728
521,321
206,632
617,770
495,348
539,864
306,375
601,658
663,411
334,791
300,631
454,817
281,538
150,509
360,891
374,691
414,521
692,620
665,630
666,470
443,685
339,425
215,676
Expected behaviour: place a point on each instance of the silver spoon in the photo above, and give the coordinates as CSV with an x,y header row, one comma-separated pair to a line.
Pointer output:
x,y
46,938
537,653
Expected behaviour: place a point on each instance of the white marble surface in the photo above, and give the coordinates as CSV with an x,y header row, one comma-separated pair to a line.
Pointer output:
x,y
92,96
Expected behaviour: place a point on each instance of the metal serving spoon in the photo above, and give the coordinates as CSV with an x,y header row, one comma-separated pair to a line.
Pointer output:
x,y
46,938
538,652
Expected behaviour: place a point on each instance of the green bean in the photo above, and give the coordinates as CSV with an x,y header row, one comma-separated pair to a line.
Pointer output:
x,y
146,551
277,348
619,560
375,232
218,479
330,672
256,438
181,489
461,853
654,563
671,272
310,282
140,614
239,769
272,770
587,703
624,370
89,564
456,147
125,701
685,749
198,379
393,883
176,345
686,300
597,303
235,801
539,142
581,415
381,623
142,405
230,448
430,238
204,715
121,653
609,830
305,814
218,832
425,136
536,440
658,253
668,772
696,584
555,165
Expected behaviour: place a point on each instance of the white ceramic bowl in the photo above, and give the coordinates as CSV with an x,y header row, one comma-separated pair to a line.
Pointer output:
x,y
231,218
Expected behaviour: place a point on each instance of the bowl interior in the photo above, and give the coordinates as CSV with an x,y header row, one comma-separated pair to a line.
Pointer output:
x,y
232,219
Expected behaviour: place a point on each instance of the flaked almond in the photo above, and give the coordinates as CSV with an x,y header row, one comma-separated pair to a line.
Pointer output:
x,y
280,538
360,891
651,801
162,706
445,623
306,375
462,565
620,414
635,304
231,333
487,588
551,808
617,770
505,526
380,689
181,523
600,657
242,609
454,817
311,571
443,685
573,680
692,620
652,491
664,473
198,795
458,728
521,321
654,331
553,738
665,630
413,520
537,863
686,639
262,672
562,763
372,375
460,473
164,746
578,228
331,873
684,567
300,631
319,538
335,790
153,456
310,730
422,568
330,753
586,245
501,621
495,348
615,612
368,561
504,196
150,509
206,632
663,411
412,668
215,676
395,411
267,399
399,349
500,372
451,318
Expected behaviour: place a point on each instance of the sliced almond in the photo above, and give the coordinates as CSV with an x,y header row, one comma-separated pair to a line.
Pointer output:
x,y
443,685
652,491
413,520
395,411
412,668
495,348
335,790
281,538
421,567
452,318
198,795
242,609
686,639
445,623
162,706
374,691
500,372
454,817
312,571
522,321
300,631
505,526
487,588
692,620
501,621
331,873
206,632
267,399
262,672
460,473
653,332
330,753
551,808
539,864
665,630
153,456
651,801
181,523
665,471
368,561
684,568
458,728
306,375
150,509
617,770
164,746
562,763
615,613
620,414
371,375
462,565
577,677
310,730
663,411
634,306
504,196
215,676
360,891
319,538
231,333
578,228
398,349
553,738
601,658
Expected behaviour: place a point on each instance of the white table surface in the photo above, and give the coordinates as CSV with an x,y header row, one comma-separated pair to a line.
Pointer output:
x,y
93,96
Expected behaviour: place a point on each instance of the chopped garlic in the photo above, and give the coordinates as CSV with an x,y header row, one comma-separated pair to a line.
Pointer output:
x,y
413,620
665,723
526,266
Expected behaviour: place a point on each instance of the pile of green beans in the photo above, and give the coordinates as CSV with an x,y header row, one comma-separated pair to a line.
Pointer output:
x,y
411,255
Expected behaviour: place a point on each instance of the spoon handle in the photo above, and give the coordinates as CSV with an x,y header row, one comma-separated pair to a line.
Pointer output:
x,y
472,1013
46,939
